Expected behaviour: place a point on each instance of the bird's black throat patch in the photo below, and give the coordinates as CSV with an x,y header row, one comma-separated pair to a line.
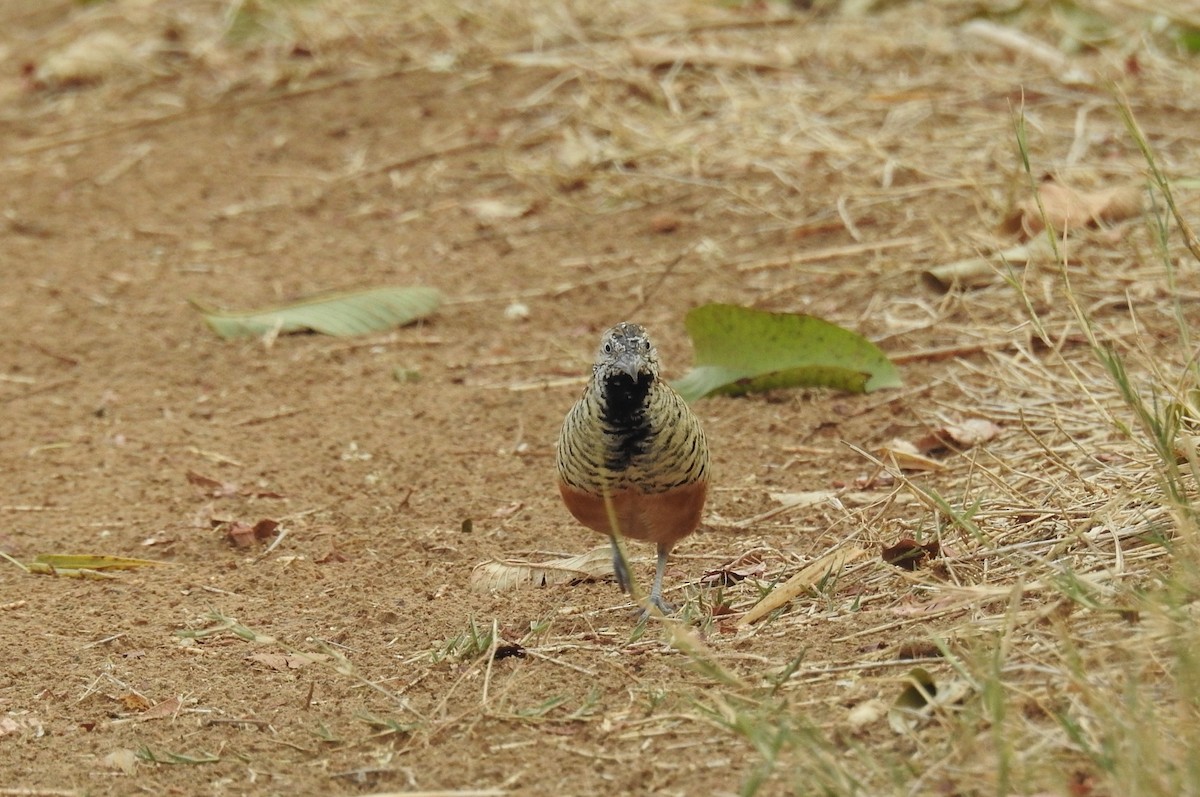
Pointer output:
x,y
623,413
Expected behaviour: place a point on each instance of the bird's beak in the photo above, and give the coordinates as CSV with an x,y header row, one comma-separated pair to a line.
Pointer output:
x,y
628,362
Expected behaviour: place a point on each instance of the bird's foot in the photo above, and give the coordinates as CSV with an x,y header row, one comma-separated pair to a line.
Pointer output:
x,y
621,570
657,602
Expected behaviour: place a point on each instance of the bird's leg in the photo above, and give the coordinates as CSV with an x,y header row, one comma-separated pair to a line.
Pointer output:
x,y
621,567
656,597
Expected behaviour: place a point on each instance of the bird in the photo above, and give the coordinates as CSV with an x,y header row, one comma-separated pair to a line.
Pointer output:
x,y
632,456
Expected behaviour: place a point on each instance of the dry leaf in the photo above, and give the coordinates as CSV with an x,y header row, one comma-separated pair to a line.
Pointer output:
x,y
219,489
866,713
134,702
333,556
919,649
1067,208
906,456
88,59
201,480
976,272
666,222
213,487
243,535
922,697
162,710
124,760
729,574
1067,70
972,432
935,606
486,210
499,576
580,149
908,553
509,509
967,434
830,563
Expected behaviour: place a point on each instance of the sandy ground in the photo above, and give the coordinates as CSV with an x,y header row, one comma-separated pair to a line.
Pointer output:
x,y
260,173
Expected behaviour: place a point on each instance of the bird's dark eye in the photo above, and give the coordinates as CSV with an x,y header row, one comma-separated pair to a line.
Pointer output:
x,y
607,348
646,345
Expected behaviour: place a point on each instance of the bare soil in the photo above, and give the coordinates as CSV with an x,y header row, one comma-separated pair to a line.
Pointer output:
x,y
397,462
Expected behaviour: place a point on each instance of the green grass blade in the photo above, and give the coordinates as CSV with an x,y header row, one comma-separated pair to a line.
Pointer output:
x,y
740,350
337,314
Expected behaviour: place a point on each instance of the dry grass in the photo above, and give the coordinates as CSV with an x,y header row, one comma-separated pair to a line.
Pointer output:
x,y
1061,610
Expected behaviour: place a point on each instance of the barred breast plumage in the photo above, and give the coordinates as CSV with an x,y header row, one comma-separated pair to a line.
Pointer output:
x,y
632,457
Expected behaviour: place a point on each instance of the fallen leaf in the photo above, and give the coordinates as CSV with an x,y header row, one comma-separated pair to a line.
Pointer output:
x,y
1069,208
508,510
720,610
935,606
906,456
272,661
742,350
920,649
880,479
486,210
1067,70
498,576
969,433
333,556
163,709
866,713
729,574
201,480
908,553
336,314
976,272
922,697
134,702
665,222
89,59
829,564
213,487
123,759
243,535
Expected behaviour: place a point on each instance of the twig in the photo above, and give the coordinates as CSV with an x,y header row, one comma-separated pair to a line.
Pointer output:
x,y
43,389
284,412
828,253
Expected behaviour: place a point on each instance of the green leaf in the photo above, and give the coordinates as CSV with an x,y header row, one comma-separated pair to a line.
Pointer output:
x,y
740,350
337,314
1189,39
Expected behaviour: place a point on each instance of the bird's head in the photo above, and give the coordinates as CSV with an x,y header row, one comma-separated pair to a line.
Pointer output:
x,y
626,353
